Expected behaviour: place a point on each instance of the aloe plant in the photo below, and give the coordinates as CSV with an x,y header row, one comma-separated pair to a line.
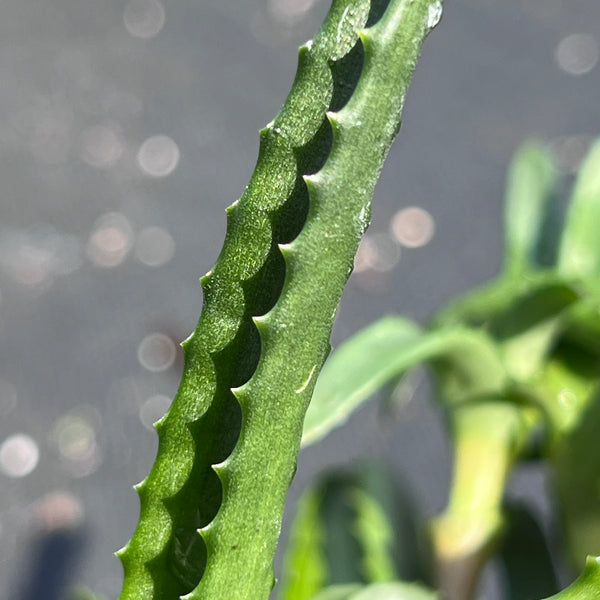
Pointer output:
x,y
516,363
212,504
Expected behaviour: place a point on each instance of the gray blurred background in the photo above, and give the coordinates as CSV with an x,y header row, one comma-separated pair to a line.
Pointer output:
x,y
126,128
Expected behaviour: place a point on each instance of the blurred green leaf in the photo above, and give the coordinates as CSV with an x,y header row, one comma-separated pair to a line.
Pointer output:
x,y
355,370
564,386
526,557
305,567
465,359
352,527
528,329
580,244
577,466
530,184
387,527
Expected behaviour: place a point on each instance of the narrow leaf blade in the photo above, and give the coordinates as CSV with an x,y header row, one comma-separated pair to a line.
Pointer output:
x,y
580,243
531,180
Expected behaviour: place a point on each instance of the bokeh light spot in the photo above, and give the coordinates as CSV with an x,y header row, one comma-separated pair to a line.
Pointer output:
x,y
577,54
110,241
19,455
144,18
413,227
378,252
154,246
102,146
158,156
157,352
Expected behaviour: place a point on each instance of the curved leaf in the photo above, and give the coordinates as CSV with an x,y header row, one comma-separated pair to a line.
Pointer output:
x,y
466,361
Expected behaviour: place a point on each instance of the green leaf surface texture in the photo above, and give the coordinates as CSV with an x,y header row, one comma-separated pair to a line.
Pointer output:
x,y
228,446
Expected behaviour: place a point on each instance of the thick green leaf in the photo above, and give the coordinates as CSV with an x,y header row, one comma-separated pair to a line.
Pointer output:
x,y
212,505
466,361
526,557
531,181
580,243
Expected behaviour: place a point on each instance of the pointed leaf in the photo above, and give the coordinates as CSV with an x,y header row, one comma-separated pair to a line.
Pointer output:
x,y
580,243
531,181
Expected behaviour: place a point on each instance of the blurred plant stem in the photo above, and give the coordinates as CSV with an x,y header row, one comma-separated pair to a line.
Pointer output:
x,y
489,437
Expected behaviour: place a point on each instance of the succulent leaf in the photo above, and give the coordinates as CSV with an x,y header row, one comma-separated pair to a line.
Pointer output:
x,y
229,443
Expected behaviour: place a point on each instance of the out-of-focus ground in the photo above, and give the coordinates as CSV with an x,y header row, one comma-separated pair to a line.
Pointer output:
x,y
126,128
